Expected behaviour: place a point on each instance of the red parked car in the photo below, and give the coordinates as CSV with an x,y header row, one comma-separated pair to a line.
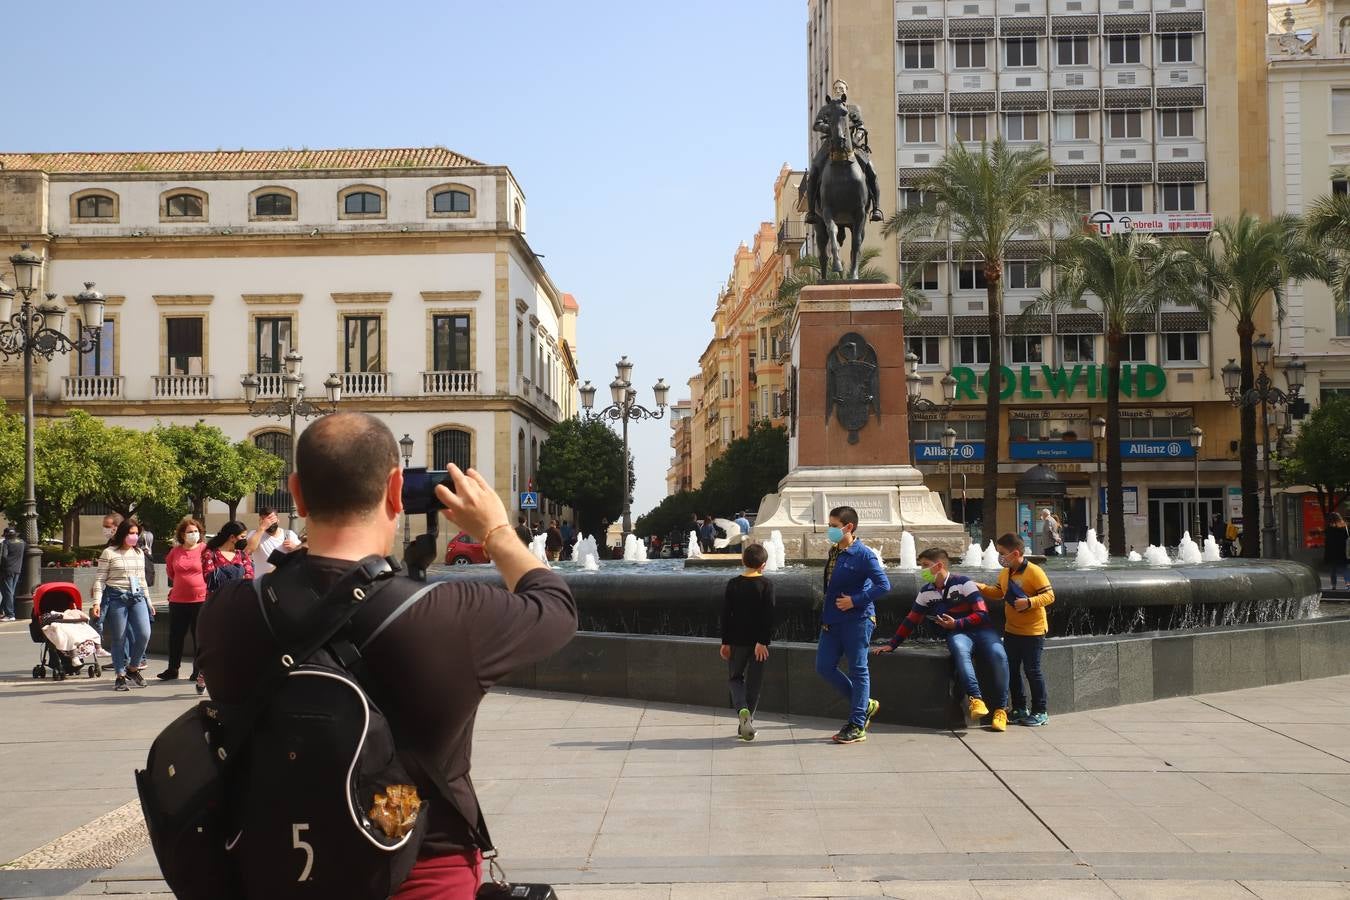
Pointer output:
x,y
464,550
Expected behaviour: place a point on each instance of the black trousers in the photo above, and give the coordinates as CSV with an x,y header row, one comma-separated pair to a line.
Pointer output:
x,y
1024,656
182,620
745,674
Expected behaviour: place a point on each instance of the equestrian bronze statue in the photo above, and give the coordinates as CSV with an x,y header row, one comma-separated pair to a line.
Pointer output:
x,y
841,186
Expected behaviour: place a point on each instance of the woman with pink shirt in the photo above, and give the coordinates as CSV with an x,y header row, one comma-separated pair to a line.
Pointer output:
x,y
188,592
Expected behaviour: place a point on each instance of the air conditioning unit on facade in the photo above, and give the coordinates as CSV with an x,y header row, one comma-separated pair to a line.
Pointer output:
x,y
920,11
1180,77
921,84
1125,78
1075,154
1073,79
970,83
1023,82
921,158
1128,154
970,9
1181,152
1074,6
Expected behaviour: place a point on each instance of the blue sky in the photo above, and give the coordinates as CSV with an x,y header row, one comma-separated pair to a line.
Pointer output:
x,y
646,136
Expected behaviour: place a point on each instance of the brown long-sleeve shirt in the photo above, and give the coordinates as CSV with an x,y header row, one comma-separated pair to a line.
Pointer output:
x,y
429,668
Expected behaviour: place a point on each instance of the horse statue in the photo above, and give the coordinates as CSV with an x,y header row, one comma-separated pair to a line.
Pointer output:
x,y
841,195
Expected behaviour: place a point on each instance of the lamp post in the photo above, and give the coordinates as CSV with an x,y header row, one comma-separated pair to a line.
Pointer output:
x,y
36,331
625,408
1197,441
949,450
405,447
1098,439
294,404
1265,394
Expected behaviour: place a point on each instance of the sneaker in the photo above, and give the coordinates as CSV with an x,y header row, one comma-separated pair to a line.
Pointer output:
x,y
201,684
850,734
872,707
121,683
136,677
976,709
1000,720
168,675
744,729
1034,720
1017,715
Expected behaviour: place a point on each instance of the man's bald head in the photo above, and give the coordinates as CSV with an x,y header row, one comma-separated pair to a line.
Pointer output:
x,y
343,463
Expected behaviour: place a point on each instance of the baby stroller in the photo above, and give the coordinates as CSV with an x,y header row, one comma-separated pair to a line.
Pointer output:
x,y
50,600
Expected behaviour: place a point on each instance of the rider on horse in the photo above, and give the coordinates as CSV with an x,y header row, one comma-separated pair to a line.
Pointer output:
x,y
861,151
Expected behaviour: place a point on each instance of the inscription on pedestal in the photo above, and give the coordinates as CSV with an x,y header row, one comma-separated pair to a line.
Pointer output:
x,y
871,508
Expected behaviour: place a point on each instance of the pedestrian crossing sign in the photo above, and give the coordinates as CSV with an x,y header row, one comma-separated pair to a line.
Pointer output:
x,y
529,499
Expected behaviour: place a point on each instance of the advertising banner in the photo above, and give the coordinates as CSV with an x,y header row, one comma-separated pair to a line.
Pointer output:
x,y
1156,449
964,451
1039,450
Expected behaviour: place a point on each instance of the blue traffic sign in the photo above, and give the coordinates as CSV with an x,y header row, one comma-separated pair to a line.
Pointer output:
x,y
529,499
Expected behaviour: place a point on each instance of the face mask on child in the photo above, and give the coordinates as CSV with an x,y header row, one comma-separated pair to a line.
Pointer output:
x,y
834,534
928,576
133,540
191,537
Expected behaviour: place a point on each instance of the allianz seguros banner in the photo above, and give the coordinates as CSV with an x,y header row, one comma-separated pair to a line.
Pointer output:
x,y
1137,380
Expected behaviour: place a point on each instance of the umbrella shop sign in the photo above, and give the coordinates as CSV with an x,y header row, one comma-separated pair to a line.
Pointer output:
x,y
1076,382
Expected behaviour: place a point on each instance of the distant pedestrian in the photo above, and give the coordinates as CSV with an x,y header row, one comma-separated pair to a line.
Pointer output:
x,y
11,565
268,538
147,545
120,600
183,565
854,582
707,535
743,524
1333,547
1054,533
553,541
747,627
523,531
226,558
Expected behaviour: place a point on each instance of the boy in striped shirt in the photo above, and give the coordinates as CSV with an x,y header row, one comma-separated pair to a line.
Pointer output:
x,y
955,603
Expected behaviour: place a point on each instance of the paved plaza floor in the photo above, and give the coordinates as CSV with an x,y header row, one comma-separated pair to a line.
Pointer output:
x,y
1241,794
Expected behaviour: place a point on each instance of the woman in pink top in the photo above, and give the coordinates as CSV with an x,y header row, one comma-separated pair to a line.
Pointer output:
x,y
188,592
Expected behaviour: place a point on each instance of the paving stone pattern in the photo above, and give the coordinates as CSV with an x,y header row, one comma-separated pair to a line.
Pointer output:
x,y
1220,795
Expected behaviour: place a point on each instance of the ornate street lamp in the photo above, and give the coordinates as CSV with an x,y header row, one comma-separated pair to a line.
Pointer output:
x,y
624,408
1264,394
1098,440
36,331
405,447
1197,441
294,404
949,450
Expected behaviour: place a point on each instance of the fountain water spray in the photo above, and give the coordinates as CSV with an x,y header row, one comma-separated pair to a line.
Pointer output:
x,y
777,552
1156,556
587,553
1188,551
1134,556
1086,557
633,550
537,547
908,556
974,558
991,557
1211,552
692,551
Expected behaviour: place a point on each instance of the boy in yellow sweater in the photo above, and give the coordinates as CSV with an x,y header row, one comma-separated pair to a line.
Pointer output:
x,y
1026,592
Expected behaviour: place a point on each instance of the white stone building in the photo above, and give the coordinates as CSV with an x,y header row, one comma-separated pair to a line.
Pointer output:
x,y
406,272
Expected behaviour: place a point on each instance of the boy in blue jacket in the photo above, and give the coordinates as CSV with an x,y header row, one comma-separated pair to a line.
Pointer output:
x,y
854,581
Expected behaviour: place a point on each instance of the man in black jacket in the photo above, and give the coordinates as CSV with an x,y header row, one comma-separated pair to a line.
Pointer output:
x,y
432,664
11,566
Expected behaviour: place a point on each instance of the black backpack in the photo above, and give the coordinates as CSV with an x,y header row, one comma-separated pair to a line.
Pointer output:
x,y
275,799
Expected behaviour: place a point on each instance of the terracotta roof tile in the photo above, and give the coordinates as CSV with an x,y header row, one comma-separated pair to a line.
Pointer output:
x,y
238,160
570,302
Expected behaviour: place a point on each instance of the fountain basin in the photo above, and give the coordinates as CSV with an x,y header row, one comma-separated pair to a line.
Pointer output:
x,y
664,598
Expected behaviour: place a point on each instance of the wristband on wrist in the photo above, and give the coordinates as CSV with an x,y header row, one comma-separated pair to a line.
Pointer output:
x,y
492,531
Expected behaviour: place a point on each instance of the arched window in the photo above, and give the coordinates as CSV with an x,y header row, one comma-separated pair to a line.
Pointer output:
x,y
183,206
278,495
519,225
361,203
451,445
94,206
451,202
522,464
534,459
273,205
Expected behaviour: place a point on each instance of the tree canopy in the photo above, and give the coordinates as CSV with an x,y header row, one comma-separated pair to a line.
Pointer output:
x,y
1320,457
581,465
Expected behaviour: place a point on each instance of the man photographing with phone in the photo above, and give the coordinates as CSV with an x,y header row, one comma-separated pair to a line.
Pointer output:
x,y
433,661
267,538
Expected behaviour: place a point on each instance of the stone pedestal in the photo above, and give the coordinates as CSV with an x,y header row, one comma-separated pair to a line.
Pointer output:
x,y
848,441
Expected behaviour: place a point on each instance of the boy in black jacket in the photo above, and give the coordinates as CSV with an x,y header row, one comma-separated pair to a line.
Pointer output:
x,y
747,626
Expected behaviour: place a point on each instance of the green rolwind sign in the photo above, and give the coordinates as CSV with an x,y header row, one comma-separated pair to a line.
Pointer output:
x,y
1082,381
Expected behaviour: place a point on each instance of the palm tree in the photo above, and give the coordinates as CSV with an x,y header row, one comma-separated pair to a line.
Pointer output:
x,y
1327,226
1131,275
1245,260
984,200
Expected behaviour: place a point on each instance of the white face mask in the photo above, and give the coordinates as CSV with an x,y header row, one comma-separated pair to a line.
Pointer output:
x,y
191,537
108,533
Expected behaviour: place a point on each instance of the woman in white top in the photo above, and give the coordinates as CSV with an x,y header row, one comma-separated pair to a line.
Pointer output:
x,y
120,598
